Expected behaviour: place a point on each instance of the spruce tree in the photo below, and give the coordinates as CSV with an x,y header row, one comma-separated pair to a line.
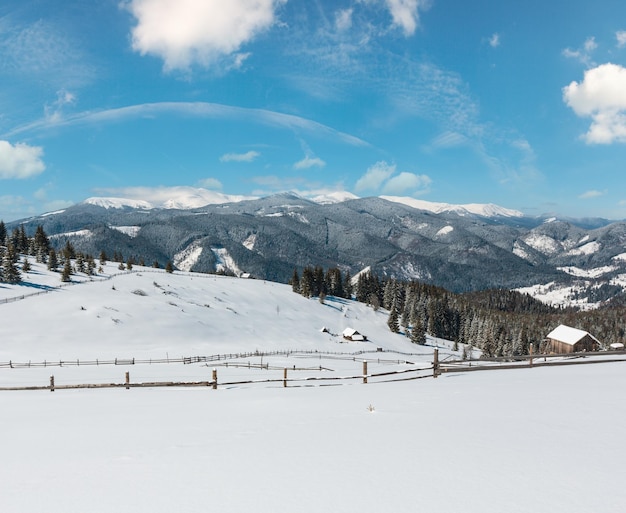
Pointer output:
x,y
169,268
53,262
393,321
10,272
26,265
3,233
66,274
295,281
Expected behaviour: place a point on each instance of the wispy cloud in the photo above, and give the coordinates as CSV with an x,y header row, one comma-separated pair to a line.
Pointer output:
x,y
601,96
249,156
620,35
43,50
211,183
20,160
308,162
199,110
592,194
184,33
494,40
583,54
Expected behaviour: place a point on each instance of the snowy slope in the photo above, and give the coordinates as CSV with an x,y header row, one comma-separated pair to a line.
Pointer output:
x,y
541,439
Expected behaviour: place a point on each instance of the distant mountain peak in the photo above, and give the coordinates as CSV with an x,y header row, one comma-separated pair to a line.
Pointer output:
x,y
181,198
478,209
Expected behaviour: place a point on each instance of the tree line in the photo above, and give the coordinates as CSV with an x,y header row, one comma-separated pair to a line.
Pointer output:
x,y
66,260
499,322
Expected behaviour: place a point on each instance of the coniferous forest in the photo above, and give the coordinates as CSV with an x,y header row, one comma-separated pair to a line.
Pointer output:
x,y
499,322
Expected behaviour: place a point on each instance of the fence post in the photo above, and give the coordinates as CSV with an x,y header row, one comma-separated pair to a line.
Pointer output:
x,y
285,377
51,383
127,380
436,363
214,378
364,371
531,355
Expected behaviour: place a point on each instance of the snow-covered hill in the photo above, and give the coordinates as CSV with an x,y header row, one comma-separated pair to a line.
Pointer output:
x,y
472,442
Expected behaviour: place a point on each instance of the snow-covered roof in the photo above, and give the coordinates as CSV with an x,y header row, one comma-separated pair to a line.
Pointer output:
x,y
352,334
568,335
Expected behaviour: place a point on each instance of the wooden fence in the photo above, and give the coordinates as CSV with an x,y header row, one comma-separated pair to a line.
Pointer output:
x,y
435,369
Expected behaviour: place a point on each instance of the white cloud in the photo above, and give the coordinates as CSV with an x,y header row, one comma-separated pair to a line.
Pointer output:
x,y
211,183
621,38
583,54
20,160
240,157
494,40
308,162
375,176
406,182
591,194
602,97
186,32
343,19
405,14
380,177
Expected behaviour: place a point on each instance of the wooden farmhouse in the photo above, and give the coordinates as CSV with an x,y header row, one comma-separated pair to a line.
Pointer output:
x,y
564,339
353,335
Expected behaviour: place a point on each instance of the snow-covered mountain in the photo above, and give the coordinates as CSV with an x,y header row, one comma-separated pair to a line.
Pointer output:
x,y
182,198
478,209
268,237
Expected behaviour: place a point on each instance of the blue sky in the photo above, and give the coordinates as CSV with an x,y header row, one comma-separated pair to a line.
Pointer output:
x,y
522,104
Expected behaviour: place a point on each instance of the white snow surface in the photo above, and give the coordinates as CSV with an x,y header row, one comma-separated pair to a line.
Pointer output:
x,y
250,241
486,210
333,197
587,249
225,262
131,231
568,335
445,230
480,442
596,272
187,258
77,233
543,243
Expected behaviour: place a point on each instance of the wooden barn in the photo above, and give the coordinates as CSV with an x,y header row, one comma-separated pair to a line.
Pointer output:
x,y
564,339
353,335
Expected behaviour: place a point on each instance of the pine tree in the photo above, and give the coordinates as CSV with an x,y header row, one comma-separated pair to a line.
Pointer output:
x,y
169,268
295,281
53,262
393,321
66,274
10,272
418,336
3,233
25,265
103,258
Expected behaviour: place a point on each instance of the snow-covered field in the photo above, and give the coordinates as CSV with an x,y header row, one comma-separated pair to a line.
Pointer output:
x,y
541,439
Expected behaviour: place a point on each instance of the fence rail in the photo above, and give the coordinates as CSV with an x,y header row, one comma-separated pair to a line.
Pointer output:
x,y
356,356
435,369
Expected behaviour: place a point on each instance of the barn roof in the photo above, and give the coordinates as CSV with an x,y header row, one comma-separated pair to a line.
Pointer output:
x,y
569,335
